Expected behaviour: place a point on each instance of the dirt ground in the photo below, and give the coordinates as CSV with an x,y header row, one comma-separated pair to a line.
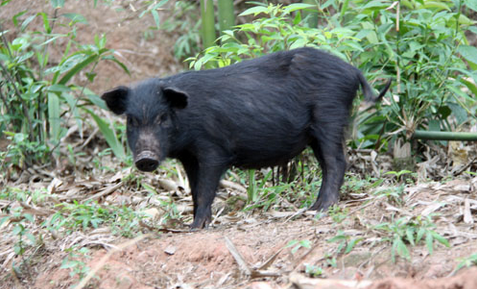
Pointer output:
x,y
258,250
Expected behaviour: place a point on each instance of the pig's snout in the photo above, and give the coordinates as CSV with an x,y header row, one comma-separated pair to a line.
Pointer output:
x,y
147,161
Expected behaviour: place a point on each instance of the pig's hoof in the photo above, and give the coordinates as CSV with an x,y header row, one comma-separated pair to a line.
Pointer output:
x,y
199,223
323,204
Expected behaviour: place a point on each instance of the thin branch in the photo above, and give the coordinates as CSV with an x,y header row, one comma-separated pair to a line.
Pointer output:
x,y
4,99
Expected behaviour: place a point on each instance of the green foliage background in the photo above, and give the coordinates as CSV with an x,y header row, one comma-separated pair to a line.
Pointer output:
x,y
422,45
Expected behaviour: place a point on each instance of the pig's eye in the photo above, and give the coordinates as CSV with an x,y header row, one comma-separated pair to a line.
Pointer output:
x,y
161,119
133,121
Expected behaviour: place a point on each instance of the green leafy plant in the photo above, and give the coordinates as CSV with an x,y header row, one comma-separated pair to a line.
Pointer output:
x,y
338,214
345,242
38,98
25,238
392,194
277,30
74,262
122,220
297,244
467,262
314,270
412,231
422,45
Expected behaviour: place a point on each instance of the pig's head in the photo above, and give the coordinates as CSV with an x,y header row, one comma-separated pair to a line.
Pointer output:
x,y
150,109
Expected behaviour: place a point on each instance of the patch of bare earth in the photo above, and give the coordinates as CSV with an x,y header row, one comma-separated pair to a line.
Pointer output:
x,y
252,250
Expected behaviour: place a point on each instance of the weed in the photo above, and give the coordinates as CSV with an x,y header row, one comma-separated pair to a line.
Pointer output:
x,y
314,271
399,175
410,230
393,194
338,214
36,94
330,261
74,262
296,244
123,220
467,262
345,242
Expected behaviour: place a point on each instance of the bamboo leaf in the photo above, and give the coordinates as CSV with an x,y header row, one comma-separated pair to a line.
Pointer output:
x,y
297,6
77,68
46,22
410,235
440,239
54,116
351,244
109,135
401,248
255,11
157,20
429,242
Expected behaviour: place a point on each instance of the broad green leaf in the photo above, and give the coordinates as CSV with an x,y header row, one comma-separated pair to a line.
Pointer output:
x,y
371,36
46,22
344,8
458,111
470,85
29,217
376,4
26,22
75,17
473,29
31,237
58,88
297,6
351,244
460,93
298,43
472,4
468,52
255,11
57,3
438,5
157,20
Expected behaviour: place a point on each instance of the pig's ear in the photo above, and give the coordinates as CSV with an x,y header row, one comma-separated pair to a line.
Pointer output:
x,y
176,98
116,99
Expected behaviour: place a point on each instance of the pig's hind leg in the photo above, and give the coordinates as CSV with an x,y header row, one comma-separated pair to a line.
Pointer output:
x,y
327,146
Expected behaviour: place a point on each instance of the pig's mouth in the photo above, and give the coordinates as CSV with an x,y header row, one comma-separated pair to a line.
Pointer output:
x,y
146,161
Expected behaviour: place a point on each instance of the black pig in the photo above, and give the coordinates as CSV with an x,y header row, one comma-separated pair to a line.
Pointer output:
x,y
257,113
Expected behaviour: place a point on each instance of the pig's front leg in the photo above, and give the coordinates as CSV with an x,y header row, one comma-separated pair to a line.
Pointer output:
x,y
204,170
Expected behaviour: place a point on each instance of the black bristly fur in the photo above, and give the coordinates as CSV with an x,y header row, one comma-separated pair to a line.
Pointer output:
x,y
254,114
